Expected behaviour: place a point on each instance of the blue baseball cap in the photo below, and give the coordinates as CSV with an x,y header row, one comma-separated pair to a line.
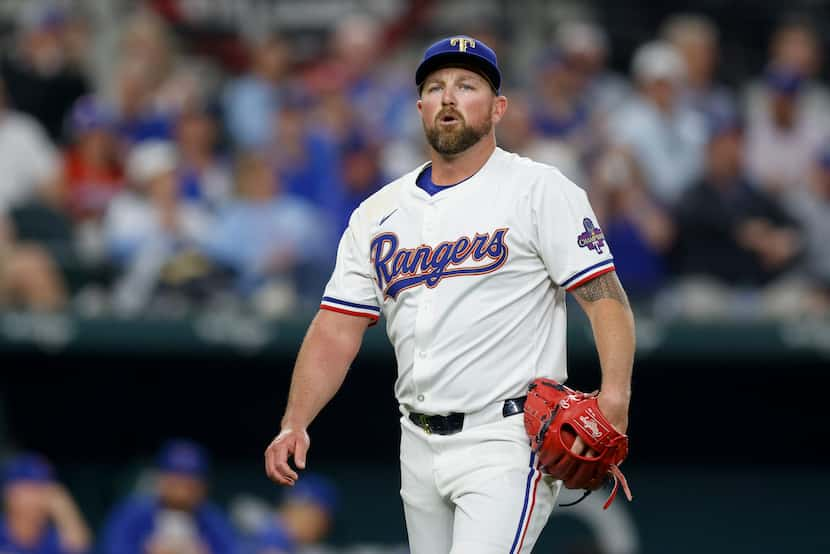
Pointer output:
x,y
89,113
823,158
274,537
184,457
460,51
784,81
550,59
723,122
314,489
28,467
41,16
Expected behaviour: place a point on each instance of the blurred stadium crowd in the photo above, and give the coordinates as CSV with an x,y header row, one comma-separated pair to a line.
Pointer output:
x,y
176,183
171,509
155,179
169,513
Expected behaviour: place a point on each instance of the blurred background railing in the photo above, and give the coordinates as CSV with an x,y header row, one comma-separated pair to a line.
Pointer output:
x,y
174,177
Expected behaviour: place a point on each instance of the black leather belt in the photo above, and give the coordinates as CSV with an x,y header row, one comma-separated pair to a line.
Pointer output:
x,y
454,422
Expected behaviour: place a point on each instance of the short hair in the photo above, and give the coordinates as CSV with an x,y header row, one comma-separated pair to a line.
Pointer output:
x,y
680,27
797,22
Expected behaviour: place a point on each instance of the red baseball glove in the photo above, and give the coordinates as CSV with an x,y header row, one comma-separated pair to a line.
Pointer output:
x,y
554,416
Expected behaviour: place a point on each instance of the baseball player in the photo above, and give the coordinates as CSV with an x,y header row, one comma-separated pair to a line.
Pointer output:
x,y
469,257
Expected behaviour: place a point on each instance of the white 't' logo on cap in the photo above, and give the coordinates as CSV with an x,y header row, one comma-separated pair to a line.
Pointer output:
x,y
462,43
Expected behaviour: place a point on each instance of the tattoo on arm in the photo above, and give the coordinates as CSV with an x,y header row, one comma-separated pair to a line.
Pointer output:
x,y
604,286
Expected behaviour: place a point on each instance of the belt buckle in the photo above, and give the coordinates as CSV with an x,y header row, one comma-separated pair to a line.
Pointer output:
x,y
423,421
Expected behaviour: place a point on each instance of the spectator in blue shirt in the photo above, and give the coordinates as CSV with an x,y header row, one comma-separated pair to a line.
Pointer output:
x,y
638,228
303,520
177,518
139,118
273,539
251,102
307,510
39,515
361,176
266,236
305,156
560,110
204,176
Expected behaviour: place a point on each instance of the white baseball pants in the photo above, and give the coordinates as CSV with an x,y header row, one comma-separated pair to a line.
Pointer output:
x,y
475,492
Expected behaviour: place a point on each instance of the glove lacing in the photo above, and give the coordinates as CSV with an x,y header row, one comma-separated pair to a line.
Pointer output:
x,y
619,478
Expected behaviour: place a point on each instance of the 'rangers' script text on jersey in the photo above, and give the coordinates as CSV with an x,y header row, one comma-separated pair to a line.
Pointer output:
x,y
398,268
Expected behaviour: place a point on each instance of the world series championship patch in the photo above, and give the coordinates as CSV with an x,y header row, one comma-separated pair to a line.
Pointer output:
x,y
592,238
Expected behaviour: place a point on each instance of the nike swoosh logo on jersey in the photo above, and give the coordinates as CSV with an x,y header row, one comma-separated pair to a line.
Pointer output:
x,y
387,216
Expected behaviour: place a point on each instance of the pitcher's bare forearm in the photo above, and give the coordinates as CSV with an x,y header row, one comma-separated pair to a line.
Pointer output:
x,y
330,346
606,305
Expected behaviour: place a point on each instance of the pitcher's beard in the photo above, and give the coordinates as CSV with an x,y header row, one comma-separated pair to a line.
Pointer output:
x,y
452,142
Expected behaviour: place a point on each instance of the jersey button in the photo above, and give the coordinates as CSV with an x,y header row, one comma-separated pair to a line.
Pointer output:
x,y
420,398
422,353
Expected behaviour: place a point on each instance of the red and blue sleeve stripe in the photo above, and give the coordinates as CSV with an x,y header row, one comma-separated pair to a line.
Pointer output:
x,y
589,273
350,308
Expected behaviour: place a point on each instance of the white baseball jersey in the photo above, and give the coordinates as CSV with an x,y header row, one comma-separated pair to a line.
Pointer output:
x,y
471,280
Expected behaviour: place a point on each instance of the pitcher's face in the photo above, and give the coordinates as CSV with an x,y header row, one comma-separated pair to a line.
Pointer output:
x,y
457,109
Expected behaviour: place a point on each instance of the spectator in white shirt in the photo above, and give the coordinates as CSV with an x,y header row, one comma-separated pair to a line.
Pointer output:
x,y
29,168
29,163
811,207
147,225
783,134
665,136
795,44
696,39
585,46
